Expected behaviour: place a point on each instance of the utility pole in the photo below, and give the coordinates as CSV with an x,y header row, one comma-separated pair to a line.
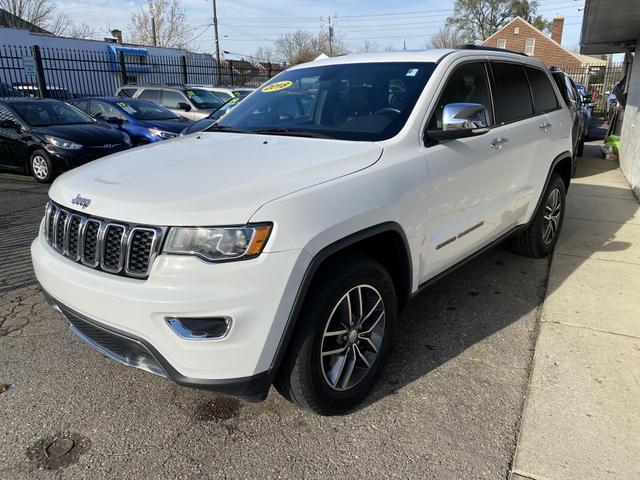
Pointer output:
x,y
331,33
154,38
217,39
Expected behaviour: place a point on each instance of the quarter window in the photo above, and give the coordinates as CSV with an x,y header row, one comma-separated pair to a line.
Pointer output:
x,y
544,97
529,45
512,97
468,84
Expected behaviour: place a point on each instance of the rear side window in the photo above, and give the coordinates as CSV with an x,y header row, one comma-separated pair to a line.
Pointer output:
x,y
544,97
151,95
512,97
127,92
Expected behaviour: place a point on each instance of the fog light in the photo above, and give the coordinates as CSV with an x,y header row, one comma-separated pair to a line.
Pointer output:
x,y
203,328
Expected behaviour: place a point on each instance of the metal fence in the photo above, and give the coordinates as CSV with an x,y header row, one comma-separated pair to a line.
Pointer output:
x,y
599,81
63,73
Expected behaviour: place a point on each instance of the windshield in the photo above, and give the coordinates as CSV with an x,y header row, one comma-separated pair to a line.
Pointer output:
x,y
204,98
359,101
145,110
47,114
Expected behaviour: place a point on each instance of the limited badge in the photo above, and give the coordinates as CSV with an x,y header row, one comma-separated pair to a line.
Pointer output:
x,y
275,87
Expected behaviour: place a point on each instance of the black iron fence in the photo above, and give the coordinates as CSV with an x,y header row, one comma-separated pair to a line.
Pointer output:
x,y
598,81
65,73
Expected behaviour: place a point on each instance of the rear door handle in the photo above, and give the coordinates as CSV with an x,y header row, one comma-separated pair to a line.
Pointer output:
x,y
545,126
498,143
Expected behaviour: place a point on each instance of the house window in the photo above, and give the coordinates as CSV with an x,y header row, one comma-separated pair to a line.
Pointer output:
x,y
528,45
516,31
502,43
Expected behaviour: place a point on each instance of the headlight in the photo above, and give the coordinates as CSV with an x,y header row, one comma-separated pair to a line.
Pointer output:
x,y
62,143
161,133
218,244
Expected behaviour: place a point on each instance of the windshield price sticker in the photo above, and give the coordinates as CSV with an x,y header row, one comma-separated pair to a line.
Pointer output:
x,y
126,107
276,87
412,72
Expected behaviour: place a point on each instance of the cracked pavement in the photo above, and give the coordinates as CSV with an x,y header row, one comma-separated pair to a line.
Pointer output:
x,y
447,405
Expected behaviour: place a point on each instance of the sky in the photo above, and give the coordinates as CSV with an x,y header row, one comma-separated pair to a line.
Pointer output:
x,y
245,25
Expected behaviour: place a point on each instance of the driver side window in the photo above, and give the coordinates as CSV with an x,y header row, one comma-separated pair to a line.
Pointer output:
x,y
467,84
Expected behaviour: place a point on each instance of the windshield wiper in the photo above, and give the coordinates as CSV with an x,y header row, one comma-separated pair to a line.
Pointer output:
x,y
293,132
225,128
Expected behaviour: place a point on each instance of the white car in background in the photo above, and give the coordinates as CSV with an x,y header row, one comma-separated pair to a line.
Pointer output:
x,y
227,93
280,245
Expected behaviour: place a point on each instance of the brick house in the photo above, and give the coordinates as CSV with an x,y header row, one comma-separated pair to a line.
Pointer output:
x,y
520,36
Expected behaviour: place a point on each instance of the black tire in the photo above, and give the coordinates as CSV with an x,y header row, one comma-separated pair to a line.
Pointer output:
x,y
303,377
40,166
532,242
580,149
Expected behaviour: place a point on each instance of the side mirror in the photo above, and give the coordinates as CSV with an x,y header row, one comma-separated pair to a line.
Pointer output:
x,y
184,106
462,120
115,120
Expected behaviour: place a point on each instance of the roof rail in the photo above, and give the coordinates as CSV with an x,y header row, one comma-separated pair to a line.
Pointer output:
x,y
472,46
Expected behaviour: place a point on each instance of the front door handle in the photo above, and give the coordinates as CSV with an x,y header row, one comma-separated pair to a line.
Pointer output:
x,y
498,143
545,126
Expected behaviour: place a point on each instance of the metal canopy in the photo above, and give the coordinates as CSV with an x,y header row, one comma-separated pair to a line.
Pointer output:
x,y
610,26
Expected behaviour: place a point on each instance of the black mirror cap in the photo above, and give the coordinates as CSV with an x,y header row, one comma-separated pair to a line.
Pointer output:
x,y
10,124
184,106
440,135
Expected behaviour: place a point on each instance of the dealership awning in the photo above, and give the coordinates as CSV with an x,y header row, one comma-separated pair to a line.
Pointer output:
x,y
610,26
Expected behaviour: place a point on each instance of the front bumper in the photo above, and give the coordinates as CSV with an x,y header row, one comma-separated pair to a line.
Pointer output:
x,y
256,294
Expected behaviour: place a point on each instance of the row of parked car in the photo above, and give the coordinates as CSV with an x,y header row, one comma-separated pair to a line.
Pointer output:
x,y
46,136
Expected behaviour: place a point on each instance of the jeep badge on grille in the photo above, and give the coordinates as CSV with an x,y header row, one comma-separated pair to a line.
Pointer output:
x,y
81,201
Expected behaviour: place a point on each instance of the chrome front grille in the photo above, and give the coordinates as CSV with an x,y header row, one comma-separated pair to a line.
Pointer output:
x,y
99,243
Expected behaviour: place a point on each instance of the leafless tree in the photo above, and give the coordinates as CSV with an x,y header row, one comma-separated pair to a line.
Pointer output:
x,y
303,46
42,13
171,28
369,46
447,37
265,54
479,19
82,30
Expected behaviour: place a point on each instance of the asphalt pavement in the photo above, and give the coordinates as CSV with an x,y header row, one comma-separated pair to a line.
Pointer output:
x,y
447,406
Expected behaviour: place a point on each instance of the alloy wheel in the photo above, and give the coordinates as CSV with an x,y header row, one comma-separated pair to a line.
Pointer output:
x,y
552,212
40,167
352,337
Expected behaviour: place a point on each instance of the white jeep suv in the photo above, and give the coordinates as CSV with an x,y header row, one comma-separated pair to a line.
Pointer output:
x,y
278,246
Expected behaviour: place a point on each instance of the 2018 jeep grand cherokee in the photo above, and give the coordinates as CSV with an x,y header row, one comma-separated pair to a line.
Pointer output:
x,y
280,245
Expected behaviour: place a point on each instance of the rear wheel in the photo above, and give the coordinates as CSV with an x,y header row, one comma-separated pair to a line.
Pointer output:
x,y
342,338
540,238
41,167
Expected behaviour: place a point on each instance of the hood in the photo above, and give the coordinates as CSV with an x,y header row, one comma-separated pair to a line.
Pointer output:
x,y
174,126
213,178
89,135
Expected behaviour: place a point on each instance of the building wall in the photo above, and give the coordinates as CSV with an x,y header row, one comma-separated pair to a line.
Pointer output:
x,y
545,49
630,137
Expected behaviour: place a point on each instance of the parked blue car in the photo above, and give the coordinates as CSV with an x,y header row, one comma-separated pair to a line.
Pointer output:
x,y
144,121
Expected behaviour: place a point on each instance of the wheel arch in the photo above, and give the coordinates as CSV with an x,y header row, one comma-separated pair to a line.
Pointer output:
x,y
385,242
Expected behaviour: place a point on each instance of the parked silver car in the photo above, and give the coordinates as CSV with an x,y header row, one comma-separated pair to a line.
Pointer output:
x,y
192,103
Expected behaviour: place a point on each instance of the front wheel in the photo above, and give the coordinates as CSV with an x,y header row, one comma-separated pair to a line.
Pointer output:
x,y
41,167
540,238
343,336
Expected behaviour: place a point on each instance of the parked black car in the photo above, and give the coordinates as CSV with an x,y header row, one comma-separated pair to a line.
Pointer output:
x,y
44,137
580,114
